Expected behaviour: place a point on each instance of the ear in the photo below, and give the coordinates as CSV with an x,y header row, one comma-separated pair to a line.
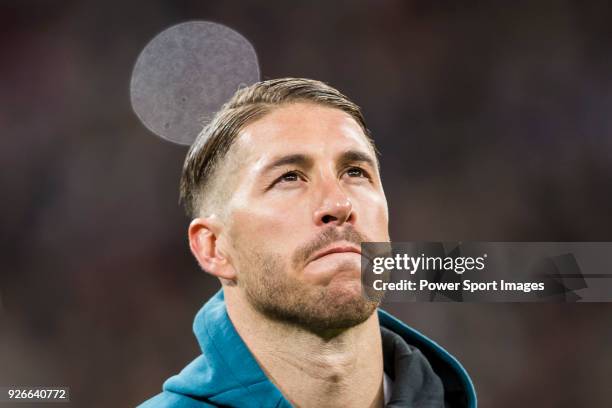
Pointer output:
x,y
203,240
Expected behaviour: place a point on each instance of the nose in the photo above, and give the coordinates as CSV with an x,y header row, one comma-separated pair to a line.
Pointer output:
x,y
335,207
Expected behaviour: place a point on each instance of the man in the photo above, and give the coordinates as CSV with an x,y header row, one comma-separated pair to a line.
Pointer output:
x,y
283,185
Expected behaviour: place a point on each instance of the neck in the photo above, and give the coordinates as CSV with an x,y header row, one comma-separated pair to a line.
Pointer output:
x,y
343,369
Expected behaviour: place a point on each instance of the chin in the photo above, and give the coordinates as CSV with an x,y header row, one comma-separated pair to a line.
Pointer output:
x,y
345,295
345,287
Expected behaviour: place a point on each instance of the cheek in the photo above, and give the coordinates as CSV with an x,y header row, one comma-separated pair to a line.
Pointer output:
x,y
265,229
375,218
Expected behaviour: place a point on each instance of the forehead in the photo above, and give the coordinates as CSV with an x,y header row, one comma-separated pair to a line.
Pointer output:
x,y
301,128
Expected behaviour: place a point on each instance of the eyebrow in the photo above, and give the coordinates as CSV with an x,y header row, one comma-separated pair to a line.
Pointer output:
x,y
352,156
298,159
306,162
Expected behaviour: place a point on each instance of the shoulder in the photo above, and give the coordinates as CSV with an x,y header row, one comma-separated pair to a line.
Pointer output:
x,y
168,399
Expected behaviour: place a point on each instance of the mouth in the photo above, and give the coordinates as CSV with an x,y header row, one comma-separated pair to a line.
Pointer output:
x,y
336,249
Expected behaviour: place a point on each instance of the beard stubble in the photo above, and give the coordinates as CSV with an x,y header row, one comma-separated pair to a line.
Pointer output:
x,y
275,293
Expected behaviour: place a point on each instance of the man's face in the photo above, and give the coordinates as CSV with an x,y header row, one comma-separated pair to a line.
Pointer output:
x,y
307,193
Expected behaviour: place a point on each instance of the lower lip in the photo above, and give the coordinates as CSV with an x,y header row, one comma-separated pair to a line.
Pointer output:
x,y
334,266
346,253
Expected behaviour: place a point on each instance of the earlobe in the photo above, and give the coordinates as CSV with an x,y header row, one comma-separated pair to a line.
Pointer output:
x,y
203,241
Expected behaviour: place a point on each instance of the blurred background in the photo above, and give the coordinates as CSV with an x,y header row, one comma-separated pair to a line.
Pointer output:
x,y
493,121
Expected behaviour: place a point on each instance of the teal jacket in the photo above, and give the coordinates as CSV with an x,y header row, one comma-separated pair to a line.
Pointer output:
x,y
226,373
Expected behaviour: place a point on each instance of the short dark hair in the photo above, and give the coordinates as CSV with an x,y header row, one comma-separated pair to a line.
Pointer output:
x,y
247,105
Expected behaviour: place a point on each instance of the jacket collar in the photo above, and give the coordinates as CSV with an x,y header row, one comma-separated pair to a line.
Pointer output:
x,y
227,372
458,387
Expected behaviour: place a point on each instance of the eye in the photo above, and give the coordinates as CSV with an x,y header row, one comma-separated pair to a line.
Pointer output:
x,y
289,176
357,172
